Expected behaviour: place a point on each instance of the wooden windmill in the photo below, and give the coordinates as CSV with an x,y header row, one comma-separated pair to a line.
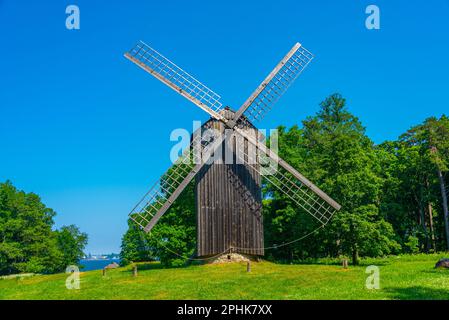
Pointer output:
x,y
227,157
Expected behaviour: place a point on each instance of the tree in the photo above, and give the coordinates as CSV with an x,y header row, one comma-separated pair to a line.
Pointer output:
x,y
134,247
407,196
334,152
393,195
27,241
172,240
283,221
71,243
349,169
432,138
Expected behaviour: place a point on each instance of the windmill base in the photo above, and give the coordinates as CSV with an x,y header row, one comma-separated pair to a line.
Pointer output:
x,y
234,257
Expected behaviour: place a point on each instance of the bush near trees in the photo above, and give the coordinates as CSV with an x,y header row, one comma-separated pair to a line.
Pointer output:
x,y
393,195
27,241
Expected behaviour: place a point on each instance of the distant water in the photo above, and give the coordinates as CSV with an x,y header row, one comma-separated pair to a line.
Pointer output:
x,y
89,265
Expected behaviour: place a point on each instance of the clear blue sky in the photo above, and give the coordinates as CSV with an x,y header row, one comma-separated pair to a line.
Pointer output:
x,y
89,131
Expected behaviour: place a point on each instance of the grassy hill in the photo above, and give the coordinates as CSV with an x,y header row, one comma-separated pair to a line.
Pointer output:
x,y
404,277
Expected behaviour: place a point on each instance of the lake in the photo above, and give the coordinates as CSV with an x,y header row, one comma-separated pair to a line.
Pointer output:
x,y
89,265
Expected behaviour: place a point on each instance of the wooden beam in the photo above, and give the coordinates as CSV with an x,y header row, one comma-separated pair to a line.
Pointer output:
x,y
182,185
176,88
264,83
290,169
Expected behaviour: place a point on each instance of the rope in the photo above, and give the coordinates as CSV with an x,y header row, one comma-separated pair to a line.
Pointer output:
x,y
177,254
196,259
285,243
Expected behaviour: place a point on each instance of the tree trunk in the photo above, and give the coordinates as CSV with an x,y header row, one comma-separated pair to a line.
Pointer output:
x,y
355,255
354,249
432,230
430,213
422,220
445,208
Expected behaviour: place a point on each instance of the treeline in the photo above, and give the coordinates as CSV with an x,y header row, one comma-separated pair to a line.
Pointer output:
x,y
393,195
27,241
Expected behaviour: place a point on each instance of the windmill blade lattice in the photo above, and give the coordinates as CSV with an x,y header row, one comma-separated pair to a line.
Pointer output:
x,y
163,193
282,176
278,82
220,226
176,78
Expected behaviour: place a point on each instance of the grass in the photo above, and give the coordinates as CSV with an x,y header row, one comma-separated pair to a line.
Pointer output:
x,y
402,277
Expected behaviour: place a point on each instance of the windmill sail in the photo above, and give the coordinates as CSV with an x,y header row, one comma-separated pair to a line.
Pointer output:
x,y
165,191
176,78
288,181
265,162
276,83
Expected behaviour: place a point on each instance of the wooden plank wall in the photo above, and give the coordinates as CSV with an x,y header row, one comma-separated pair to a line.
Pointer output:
x,y
229,207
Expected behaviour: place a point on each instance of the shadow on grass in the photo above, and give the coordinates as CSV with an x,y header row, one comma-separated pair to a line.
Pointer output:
x,y
419,293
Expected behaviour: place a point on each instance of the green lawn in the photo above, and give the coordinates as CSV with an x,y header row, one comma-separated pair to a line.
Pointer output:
x,y
405,277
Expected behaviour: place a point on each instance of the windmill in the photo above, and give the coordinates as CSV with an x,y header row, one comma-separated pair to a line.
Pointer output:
x,y
228,194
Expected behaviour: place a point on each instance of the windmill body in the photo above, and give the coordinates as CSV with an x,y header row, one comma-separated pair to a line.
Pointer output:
x,y
228,184
228,199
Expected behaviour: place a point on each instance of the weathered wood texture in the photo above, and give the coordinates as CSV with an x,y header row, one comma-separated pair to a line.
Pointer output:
x,y
229,204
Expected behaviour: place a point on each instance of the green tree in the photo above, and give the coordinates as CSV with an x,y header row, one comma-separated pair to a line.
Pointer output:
x,y
135,247
432,139
334,152
283,220
390,194
349,169
172,240
27,241
71,243
407,196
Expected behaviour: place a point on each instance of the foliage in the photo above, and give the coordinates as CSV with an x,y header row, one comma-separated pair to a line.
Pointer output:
x,y
412,197
412,244
390,194
71,242
334,152
27,241
431,138
172,240
134,246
